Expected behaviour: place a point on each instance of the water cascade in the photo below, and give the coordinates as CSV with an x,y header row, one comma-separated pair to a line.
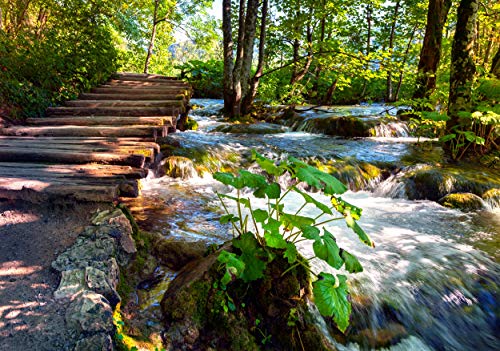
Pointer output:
x,y
431,282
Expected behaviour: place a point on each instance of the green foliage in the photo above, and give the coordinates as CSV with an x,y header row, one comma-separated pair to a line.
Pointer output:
x,y
204,76
275,230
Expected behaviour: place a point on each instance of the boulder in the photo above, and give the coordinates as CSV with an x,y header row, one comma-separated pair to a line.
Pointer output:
x,y
97,280
179,167
462,201
492,197
251,128
270,313
90,313
72,283
97,342
175,254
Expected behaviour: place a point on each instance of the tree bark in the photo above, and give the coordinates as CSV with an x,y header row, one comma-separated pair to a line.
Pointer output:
x,y
369,11
389,97
495,65
228,46
153,37
430,54
250,96
462,63
405,58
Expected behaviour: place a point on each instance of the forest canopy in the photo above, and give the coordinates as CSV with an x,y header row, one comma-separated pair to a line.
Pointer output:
x,y
438,56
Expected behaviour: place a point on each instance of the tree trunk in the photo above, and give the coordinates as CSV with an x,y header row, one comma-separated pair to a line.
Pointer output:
x,y
237,79
369,11
153,36
250,96
462,63
328,100
228,44
495,65
389,94
430,54
400,80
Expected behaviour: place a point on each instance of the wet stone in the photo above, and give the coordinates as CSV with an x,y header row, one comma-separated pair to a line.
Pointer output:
x,y
98,281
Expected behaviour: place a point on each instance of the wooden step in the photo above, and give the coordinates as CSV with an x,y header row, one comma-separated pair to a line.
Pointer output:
x,y
131,95
122,75
147,82
90,131
116,111
10,154
44,192
148,152
89,170
109,89
101,120
124,103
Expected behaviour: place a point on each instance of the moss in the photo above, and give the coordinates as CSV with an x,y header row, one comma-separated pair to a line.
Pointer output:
x,y
462,201
130,217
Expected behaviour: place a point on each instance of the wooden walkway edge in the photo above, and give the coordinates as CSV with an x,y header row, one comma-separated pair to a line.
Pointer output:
x,y
96,148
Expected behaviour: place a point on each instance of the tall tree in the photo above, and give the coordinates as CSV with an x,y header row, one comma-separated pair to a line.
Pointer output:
x,y
247,20
462,63
430,54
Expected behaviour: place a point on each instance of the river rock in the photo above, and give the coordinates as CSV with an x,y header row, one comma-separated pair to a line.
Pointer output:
x,y
90,313
98,281
462,201
85,252
251,128
72,283
179,167
492,197
391,334
97,342
177,253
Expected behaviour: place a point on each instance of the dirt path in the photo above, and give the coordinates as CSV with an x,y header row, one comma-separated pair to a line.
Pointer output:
x,y
30,238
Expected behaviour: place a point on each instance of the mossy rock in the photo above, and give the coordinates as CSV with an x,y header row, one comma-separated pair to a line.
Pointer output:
x,y
346,126
179,167
252,128
492,197
193,307
462,201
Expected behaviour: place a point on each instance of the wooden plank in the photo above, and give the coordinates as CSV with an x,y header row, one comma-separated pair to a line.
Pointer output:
x,y
132,95
116,111
149,153
124,103
110,89
38,192
48,142
93,169
100,120
147,82
122,75
109,139
91,131
63,156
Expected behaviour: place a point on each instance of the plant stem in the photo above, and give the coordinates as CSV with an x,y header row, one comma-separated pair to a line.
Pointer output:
x,y
227,212
328,221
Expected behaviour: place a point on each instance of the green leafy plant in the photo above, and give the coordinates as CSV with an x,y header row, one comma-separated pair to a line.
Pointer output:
x,y
261,234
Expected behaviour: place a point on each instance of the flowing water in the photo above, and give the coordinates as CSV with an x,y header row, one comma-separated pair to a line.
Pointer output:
x,y
431,282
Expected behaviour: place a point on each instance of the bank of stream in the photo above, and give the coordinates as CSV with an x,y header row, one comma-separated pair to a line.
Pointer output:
x,y
431,282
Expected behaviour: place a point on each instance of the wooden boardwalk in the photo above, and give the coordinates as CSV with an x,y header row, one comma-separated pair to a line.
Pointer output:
x,y
96,148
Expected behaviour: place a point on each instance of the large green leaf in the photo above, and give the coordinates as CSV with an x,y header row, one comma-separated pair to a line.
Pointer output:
x,y
272,225
352,264
267,164
327,249
310,232
316,178
273,191
234,266
295,221
309,199
351,223
346,208
290,253
243,201
275,240
331,298
260,215
252,255
252,180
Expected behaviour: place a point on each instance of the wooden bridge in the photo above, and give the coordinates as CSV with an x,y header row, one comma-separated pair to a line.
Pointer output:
x,y
96,148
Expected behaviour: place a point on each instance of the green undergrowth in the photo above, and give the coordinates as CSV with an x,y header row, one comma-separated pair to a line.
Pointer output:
x,y
261,231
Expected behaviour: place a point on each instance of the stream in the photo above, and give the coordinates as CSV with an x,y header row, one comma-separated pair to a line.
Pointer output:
x,y
431,282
